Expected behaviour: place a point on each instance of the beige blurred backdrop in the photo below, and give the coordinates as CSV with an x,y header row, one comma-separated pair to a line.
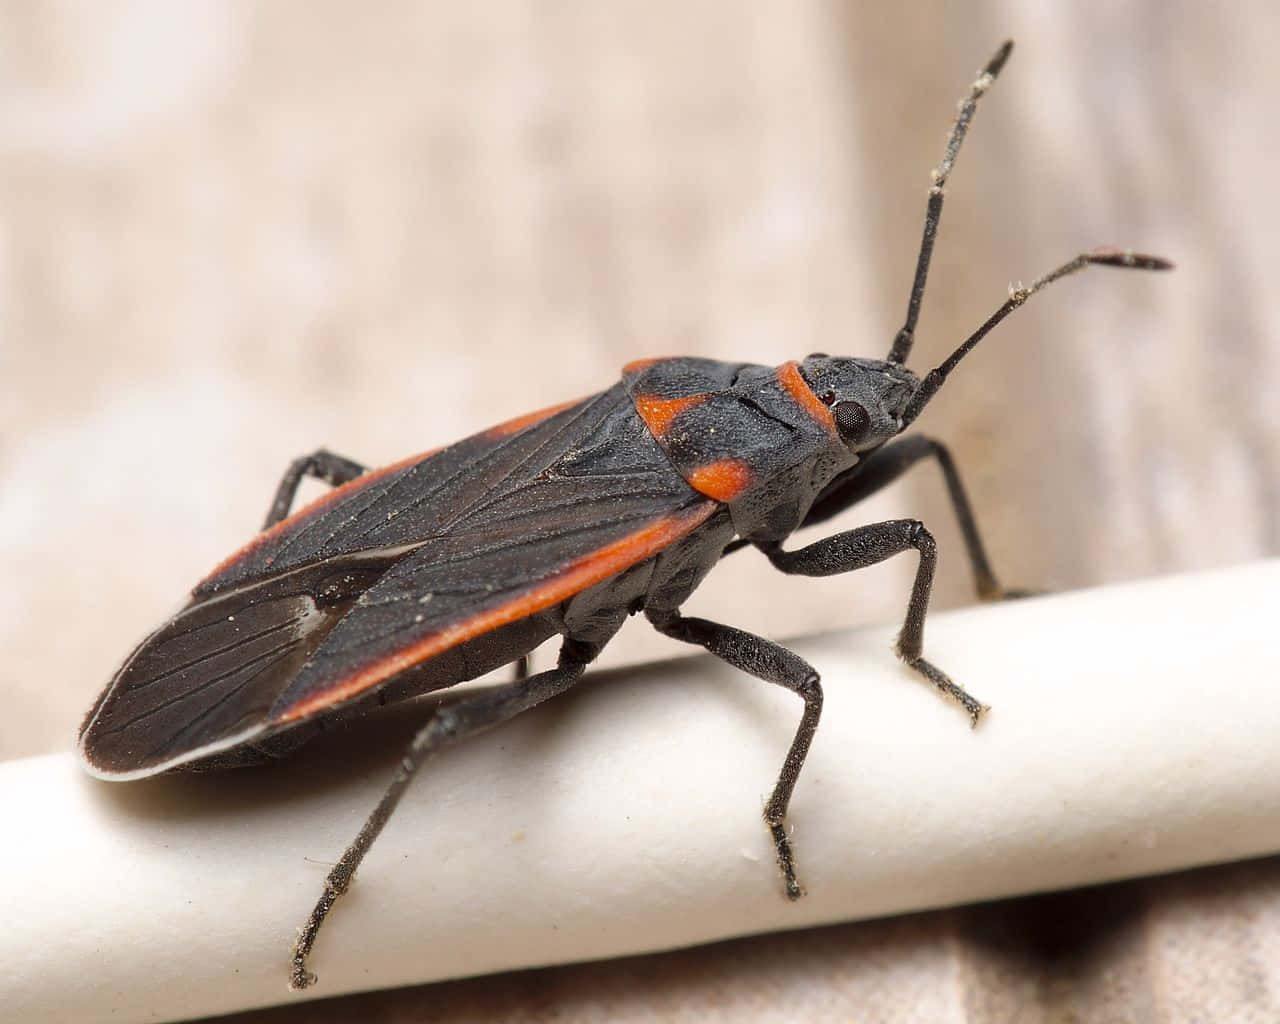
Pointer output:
x,y
233,232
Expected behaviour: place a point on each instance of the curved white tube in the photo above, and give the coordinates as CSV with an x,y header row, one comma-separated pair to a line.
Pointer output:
x,y
1134,729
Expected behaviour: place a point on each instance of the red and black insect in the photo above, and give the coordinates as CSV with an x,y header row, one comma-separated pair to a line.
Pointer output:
x,y
434,570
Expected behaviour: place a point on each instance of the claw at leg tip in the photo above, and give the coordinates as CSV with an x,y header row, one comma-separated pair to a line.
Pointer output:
x,y
300,978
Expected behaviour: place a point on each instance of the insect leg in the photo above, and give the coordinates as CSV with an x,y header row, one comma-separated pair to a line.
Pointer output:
x,y
883,467
323,465
448,723
868,545
764,660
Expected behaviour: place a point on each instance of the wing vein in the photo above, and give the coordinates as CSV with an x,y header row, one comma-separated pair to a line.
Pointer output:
x,y
185,694
172,740
493,494
238,642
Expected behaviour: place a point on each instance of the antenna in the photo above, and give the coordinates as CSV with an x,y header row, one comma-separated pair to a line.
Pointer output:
x,y
933,212
1017,296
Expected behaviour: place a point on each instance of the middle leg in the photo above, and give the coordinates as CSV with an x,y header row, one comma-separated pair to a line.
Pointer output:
x,y
764,660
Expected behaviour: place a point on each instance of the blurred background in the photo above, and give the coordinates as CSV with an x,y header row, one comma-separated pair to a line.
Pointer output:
x,y
231,233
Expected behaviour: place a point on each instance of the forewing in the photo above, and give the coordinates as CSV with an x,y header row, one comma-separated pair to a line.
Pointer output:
x,y
601,500
398,506
206,679
387,572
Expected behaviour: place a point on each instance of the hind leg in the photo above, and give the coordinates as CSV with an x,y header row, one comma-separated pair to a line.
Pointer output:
x,y
447,725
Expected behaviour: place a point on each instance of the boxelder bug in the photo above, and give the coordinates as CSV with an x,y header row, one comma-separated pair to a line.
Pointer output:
x,y
449,564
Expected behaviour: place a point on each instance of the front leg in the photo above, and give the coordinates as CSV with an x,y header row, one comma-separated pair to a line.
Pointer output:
x,y
882,467
321,464
868,545
764,660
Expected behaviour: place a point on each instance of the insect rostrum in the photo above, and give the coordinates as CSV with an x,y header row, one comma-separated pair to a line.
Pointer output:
x,y
415,577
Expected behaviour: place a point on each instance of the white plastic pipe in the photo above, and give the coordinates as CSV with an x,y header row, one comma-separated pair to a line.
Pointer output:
x,y
1134,729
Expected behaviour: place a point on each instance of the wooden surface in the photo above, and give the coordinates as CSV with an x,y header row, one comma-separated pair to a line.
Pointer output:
x,y
232,233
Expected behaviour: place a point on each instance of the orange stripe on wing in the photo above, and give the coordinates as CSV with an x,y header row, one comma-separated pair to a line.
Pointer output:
x,y
312,508
528,420
640,365
573,579
373,476
798,388
658,413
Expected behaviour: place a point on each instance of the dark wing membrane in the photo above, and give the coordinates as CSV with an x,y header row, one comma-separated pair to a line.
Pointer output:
x,y
393,630
388,572
204,681
600,500
411,500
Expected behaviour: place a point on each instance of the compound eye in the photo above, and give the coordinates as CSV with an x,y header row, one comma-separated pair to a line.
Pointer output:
x,y
852,421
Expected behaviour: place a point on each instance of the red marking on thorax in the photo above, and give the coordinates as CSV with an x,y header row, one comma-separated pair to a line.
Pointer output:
x,y
658,413
798,388
723,480
640,365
